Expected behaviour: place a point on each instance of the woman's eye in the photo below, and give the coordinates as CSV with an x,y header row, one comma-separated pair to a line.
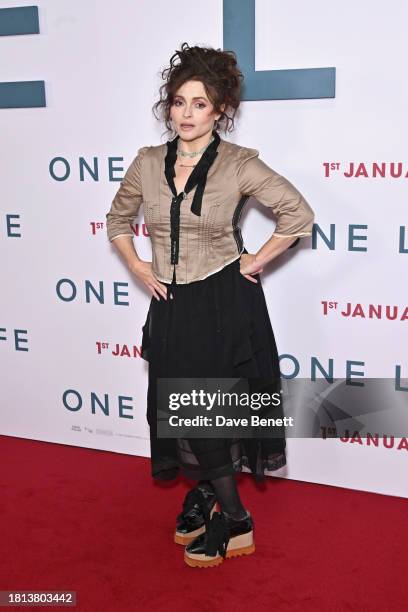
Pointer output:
x,y
199,104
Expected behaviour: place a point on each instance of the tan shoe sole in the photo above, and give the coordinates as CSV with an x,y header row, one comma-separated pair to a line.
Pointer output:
x,y
186,538
237,546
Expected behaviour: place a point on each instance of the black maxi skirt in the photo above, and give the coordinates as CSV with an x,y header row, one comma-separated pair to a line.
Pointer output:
x,y
215,327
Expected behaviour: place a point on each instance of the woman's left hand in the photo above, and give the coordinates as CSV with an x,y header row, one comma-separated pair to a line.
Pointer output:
x,y
249,266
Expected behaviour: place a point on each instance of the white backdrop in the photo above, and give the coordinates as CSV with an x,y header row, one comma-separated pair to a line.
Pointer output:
x,y
100,62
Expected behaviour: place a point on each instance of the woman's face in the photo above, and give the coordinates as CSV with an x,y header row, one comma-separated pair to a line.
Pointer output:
x,y
192,113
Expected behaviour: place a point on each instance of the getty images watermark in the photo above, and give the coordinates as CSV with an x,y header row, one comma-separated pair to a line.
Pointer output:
x,y
220,407
282,407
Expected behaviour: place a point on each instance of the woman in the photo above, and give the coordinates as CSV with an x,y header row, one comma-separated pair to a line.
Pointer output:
x,y
207,315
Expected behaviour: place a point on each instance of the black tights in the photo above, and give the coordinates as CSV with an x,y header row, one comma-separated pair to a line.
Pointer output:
x,y
226,491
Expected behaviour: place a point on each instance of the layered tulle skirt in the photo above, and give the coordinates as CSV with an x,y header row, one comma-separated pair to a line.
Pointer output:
x,y
216,327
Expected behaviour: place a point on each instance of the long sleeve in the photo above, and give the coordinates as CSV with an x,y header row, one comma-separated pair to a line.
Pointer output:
x,y
127,201
294,215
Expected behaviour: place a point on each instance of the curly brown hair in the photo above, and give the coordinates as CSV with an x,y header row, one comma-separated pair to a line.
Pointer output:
x,y
216,69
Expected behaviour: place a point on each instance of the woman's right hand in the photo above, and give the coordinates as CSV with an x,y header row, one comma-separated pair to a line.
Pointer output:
x,y
143,271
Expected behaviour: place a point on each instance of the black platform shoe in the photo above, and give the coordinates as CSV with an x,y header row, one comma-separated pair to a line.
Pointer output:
x,y
198,508
224,537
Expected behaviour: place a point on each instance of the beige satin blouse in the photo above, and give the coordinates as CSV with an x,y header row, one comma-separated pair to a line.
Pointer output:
x,y
212,240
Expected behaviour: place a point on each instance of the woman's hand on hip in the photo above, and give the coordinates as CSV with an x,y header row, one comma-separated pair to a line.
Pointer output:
x,y
143,271
248,266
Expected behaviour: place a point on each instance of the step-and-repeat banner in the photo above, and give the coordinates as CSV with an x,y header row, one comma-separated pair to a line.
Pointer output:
x,y
77,83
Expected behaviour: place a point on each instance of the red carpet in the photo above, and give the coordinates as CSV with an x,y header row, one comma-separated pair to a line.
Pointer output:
x,y
95,523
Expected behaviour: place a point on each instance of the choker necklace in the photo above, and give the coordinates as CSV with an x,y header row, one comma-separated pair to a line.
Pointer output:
x,y
194,153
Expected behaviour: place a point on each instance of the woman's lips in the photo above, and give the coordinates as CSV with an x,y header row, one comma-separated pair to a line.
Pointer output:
x,y
186,126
